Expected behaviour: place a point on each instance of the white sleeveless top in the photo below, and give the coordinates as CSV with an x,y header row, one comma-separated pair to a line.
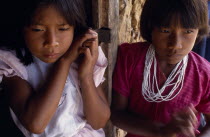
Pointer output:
x,y
68,119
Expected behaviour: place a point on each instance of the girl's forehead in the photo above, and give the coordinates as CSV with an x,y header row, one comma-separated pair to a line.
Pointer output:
x,y
43,9
176,20
47,14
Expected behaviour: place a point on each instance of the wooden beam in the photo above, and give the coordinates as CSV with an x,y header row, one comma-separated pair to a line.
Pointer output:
x,y
105,13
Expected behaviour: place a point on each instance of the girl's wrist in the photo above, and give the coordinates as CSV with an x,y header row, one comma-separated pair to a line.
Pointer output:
x,y
157,130
86,77
167,131
85,72
61,63
66,61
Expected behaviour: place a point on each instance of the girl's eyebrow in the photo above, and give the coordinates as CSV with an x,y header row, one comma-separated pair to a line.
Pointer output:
x,y
40,24
37,23
63,24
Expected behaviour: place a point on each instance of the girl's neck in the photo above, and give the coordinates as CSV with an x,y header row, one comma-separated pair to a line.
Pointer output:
x,y
166,68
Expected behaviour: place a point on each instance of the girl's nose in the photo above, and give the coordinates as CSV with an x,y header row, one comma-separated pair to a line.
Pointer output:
x,y
50,40
175,41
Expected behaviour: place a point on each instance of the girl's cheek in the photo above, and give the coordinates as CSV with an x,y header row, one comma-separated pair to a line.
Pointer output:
x,y
65,37
31,37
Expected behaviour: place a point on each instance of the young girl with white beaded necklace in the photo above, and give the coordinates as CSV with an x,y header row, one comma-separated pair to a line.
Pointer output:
x,y
160,87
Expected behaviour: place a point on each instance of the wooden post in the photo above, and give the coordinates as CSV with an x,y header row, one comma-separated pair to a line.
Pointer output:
x,y
106,14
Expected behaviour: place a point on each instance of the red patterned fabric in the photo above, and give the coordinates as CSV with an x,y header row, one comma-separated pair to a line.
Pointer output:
x,y
128,78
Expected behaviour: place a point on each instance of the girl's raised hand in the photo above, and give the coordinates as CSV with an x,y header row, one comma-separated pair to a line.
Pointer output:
x,y
75,49
88,55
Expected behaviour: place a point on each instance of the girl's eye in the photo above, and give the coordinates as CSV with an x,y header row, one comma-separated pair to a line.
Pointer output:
x,y
164,31
64,29
188,31
37,30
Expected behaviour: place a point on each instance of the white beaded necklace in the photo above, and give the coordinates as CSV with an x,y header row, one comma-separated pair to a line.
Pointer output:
x,y
148,86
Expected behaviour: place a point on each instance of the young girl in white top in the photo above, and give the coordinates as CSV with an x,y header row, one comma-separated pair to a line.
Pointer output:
x,y
53,74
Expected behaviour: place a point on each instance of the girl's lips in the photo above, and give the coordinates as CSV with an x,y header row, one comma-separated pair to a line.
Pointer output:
x,y
174,55
51,55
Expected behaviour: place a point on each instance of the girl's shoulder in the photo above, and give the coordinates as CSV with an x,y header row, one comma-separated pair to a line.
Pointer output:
x,y
135,47
200,64
10,65
133,51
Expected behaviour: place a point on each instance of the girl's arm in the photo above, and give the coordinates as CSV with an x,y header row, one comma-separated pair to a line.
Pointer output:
x,y
139,125
96,107
35,109
129,122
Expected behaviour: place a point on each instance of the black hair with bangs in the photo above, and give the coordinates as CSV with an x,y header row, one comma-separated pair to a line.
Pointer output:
x,y
22,13
72,10
163,13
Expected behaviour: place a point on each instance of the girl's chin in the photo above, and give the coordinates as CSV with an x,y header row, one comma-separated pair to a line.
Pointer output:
x,y
47,60
173,61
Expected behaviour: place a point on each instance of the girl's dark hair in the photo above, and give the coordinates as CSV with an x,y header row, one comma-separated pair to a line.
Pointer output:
x,y
23,12
161,13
